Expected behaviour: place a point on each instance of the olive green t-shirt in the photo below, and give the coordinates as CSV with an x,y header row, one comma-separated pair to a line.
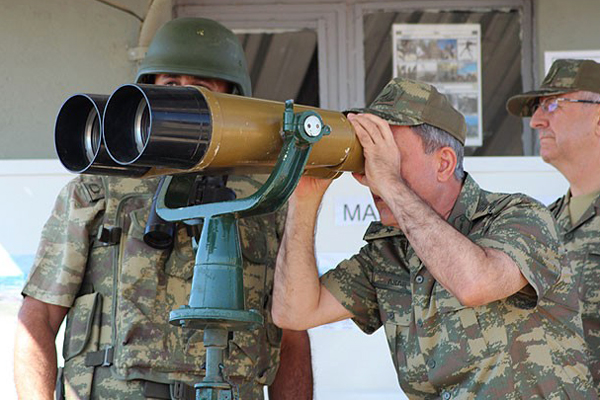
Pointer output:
x,y
579,204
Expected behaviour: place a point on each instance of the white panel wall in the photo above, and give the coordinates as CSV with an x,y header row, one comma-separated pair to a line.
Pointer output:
x,y
50,50
32,186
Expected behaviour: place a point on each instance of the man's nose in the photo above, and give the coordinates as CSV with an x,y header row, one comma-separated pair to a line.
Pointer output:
x,y
538,119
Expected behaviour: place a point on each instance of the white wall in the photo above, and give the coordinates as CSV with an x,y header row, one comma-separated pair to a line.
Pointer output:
x,y
348,364
33,186
50,50
565,26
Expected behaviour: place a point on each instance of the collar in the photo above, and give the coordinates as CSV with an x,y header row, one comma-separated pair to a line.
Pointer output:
x,y
466,206
561,212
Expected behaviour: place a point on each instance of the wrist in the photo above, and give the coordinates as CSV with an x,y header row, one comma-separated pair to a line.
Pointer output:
x,y
402,201
394,190
302,210
306,200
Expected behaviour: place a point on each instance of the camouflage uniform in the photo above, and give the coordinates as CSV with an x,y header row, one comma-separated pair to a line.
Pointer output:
x,y
526,346
83,261
583,251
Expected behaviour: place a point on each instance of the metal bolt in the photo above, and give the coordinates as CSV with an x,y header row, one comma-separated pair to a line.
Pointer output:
x,y
312,126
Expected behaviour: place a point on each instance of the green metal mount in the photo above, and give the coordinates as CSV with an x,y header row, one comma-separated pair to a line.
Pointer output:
x,y
217,302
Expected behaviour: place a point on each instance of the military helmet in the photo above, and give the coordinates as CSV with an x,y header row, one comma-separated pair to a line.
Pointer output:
x,y
200,47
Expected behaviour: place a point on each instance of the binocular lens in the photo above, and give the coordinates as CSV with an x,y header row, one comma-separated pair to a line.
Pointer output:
x,y
157,126
78,136
92,136
141,127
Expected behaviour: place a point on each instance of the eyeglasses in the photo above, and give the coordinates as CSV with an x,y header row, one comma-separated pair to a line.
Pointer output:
x,y
550,105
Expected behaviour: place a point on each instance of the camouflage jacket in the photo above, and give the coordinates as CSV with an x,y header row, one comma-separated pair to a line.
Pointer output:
x,y
582,243
75,269
526,346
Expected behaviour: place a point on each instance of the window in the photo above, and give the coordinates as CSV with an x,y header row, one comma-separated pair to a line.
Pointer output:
x,y
283,65
501,68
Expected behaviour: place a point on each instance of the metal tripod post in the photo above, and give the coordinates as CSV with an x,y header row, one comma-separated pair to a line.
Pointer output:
x,y
217,302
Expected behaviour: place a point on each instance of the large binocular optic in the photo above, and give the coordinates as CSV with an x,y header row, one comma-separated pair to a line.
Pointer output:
x,y
150,130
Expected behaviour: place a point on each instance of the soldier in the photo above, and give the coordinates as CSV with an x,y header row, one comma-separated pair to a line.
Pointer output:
x,y
468,284
565,111
93,266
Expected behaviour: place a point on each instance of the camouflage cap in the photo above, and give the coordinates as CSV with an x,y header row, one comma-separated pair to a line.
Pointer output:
x,y
565,76
407,102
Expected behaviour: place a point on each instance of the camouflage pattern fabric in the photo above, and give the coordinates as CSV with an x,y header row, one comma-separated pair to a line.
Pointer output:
x,y
74,269
564,76
527,346
407,102
582,243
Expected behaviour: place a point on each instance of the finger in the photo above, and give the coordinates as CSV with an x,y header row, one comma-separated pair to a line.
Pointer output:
x,y
383,126
363,135
370,127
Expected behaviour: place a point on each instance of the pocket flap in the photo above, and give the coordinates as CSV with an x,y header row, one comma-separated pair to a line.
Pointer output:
x,y
394,297
80,322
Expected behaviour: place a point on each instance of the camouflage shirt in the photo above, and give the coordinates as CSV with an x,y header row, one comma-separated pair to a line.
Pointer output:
x,y
582,243
75,268
526,346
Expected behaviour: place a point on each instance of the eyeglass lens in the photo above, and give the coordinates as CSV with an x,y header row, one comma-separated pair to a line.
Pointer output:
x,y
548,105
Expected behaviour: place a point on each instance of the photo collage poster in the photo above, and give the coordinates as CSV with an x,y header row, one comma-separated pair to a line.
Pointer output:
x,y
447,56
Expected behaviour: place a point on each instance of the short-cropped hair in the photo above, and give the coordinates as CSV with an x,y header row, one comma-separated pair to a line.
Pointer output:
x,y
434,139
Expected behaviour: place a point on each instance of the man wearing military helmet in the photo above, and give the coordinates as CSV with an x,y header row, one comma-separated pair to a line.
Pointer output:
x,y
468,284
565,111
94,266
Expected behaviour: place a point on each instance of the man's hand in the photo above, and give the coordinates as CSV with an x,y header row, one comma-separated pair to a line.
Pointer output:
x,y
382,157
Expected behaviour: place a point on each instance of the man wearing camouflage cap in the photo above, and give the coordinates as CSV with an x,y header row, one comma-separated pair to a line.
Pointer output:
x,y
467,283
95,264
566,113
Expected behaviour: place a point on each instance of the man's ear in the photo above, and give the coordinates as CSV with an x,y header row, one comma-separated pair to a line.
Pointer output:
x,y
446,163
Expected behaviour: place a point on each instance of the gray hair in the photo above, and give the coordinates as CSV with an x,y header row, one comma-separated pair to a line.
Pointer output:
x,y
434,139
590,96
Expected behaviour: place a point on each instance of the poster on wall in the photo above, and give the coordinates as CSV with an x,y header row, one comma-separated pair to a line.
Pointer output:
x,y
551,56
447,56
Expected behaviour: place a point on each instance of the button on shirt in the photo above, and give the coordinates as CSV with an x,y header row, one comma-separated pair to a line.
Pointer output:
x,y
500,350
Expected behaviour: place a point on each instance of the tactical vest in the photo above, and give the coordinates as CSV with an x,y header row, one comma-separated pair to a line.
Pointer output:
x,y
120,317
